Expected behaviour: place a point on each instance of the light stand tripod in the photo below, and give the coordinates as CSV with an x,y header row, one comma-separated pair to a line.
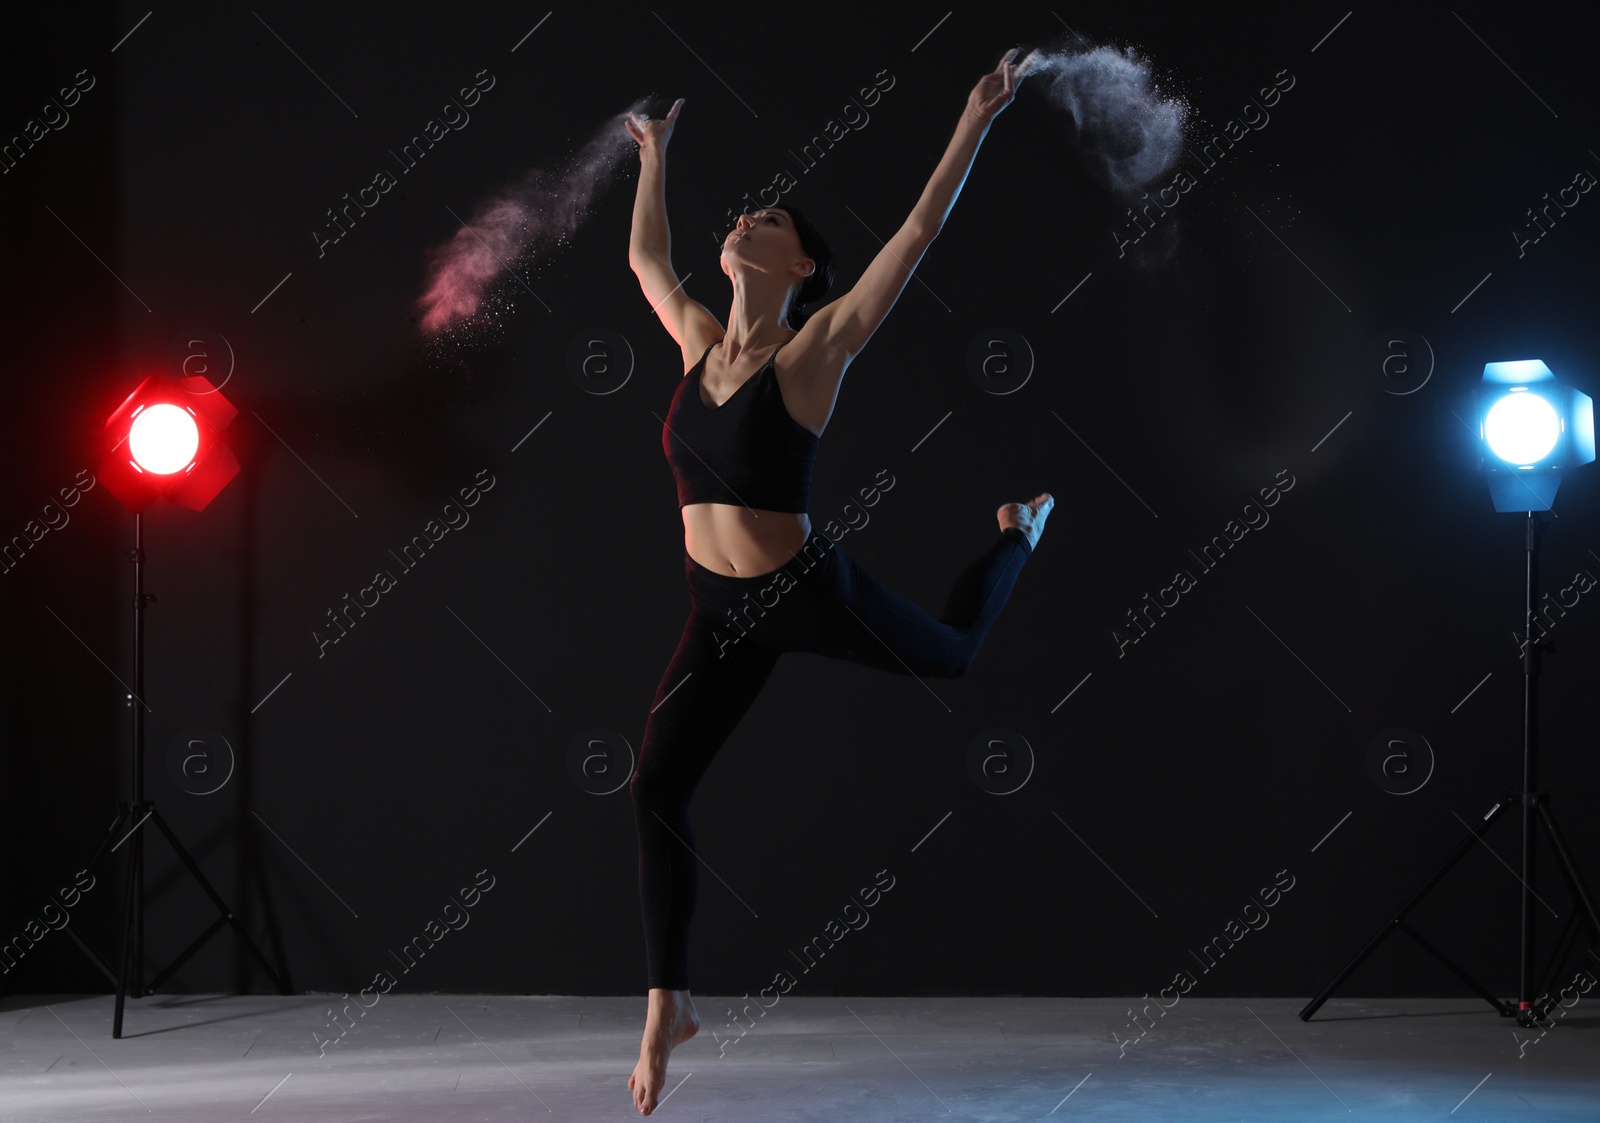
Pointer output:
x,y
132,815
1535,810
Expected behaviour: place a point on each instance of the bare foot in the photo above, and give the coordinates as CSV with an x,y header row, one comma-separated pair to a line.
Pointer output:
x,y
670,1022
1027,517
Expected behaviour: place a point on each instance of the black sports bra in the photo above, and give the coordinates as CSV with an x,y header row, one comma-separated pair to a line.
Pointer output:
x,y
748,451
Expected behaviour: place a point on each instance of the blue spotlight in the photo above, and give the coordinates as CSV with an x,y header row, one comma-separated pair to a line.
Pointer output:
x,y
1523,430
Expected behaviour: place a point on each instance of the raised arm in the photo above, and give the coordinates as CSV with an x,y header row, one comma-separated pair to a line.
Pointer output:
x,y
848,322
689,322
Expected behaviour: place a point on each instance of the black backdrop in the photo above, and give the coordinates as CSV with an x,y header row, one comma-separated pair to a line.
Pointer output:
x,y
1225,749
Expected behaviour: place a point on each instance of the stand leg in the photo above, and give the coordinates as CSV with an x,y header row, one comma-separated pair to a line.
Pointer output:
x,y
1563,949
127,952
95,957
1525,993
124,815
1504,1009
1584,915
1397,920
1570,868
136,980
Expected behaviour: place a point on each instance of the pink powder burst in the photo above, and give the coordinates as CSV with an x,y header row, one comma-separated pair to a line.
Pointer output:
x,y
517,223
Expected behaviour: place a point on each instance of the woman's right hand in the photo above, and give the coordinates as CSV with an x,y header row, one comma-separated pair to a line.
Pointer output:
x,y
653,134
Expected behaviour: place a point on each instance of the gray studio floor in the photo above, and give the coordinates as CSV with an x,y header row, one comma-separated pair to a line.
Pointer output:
x,y
444,1057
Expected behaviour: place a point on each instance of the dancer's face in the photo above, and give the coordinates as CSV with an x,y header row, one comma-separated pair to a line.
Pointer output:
x,y
765,239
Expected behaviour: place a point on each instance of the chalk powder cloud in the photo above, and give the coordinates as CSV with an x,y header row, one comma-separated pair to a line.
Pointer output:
x,y
517,225
1125,129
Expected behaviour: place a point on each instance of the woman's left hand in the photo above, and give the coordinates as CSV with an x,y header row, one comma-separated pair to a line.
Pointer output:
x,y
994,90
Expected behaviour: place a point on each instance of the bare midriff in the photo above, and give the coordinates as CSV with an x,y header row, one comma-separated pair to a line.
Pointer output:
x,y
738,541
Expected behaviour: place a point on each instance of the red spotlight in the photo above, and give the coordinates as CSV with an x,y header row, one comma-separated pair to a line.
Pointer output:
x,y
165,441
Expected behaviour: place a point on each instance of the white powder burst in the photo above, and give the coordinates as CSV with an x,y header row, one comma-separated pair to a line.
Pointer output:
x,y
1126,130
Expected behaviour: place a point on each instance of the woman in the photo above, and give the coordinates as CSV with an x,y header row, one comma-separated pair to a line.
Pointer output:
x,y
741,436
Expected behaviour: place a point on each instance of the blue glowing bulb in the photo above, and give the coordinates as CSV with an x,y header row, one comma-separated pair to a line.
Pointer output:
x,y
1522,428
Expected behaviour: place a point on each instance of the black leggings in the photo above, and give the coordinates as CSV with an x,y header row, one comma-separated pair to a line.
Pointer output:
x,y
823,602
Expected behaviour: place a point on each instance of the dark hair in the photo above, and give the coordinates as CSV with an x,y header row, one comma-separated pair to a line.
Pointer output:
x,y
816,286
